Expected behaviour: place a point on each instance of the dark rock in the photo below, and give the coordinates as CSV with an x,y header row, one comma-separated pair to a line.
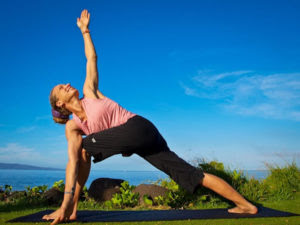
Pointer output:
x,y
102,189
151,190
54,196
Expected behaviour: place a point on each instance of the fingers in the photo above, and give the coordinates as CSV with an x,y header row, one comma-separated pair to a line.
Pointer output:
x,y
60,219
45,217
56,221
85,13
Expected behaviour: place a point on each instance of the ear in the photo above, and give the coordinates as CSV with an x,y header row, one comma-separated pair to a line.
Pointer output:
x,y
59,103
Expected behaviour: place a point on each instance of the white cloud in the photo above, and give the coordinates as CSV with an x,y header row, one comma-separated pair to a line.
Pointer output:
x,y
189,91
44,117
249,93
207,80
26,129
16,153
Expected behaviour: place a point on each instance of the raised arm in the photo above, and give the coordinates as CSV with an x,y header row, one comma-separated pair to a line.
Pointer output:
x,y
90,87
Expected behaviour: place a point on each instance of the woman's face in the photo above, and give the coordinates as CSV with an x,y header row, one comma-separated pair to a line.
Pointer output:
x,y
64,93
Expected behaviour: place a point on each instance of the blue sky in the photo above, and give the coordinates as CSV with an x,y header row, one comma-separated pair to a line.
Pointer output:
x,y
220,79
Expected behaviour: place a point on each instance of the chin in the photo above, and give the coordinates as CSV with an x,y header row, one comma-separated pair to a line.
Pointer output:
x,y
72,94
76,93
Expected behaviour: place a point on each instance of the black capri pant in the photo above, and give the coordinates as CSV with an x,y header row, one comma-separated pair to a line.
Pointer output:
x,y
138,135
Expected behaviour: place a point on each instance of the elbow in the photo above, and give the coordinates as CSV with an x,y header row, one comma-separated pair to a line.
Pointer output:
x,y
74,161
92,57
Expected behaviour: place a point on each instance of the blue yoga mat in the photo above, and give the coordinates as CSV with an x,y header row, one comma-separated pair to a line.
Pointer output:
x,y
156,215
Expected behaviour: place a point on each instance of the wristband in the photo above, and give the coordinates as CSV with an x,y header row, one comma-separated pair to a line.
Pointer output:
x,y
86,31
69,192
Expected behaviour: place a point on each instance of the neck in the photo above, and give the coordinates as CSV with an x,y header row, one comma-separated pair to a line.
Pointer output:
x,y
74,106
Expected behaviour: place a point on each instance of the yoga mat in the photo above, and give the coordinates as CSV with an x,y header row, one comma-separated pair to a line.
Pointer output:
x,y
156,215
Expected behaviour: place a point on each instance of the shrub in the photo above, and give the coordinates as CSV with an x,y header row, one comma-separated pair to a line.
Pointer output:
x,y
147,200
36,191
176,197
234,178
88,203
127,198
59,185
254,190
282,182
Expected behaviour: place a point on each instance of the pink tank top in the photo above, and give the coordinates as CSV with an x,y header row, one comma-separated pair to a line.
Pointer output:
x,y
102,114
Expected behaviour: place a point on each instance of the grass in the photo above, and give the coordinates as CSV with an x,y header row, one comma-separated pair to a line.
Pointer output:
x,y
284,205
280,190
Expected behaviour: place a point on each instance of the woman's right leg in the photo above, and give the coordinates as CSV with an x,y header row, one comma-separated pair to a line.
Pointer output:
x,y
190,177
221,187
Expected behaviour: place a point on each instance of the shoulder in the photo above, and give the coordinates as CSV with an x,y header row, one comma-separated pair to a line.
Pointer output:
x,y
89,93
72,127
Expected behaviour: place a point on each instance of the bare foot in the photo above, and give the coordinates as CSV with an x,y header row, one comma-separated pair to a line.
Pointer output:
x,y
250,209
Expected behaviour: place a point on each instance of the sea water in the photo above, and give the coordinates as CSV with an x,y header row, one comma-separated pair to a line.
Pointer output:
x,y
20,179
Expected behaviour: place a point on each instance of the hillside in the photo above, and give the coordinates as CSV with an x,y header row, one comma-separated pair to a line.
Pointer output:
x,y
16,166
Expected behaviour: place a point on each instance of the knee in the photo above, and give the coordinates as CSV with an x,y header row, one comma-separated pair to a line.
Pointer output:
x,y
85,156
205,182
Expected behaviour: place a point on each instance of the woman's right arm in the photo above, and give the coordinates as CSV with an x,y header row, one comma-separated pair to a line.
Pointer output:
x,y
90,87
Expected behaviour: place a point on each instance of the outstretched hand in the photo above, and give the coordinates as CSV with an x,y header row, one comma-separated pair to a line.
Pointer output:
x,y
84,20
60,215
63,215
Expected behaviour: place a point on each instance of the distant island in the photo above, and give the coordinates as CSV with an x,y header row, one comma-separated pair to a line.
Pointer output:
x,y
15,166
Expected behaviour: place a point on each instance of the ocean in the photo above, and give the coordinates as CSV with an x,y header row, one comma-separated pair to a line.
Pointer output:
x,y
20,179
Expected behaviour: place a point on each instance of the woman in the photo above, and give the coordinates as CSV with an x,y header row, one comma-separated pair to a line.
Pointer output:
x,y
111,130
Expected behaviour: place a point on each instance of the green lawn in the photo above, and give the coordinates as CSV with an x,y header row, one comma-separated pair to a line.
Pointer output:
x,y
287,205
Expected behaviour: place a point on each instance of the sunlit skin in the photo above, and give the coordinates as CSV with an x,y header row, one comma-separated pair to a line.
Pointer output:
x,y
79,161
68,97
64,92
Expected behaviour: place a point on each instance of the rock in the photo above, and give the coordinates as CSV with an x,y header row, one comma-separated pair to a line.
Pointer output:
x,y
54,196
149,189
102,189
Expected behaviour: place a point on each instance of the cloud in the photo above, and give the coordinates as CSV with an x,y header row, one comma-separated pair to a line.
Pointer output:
x,y
44,117
16,153
26,129
209,81
249,93
189,91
